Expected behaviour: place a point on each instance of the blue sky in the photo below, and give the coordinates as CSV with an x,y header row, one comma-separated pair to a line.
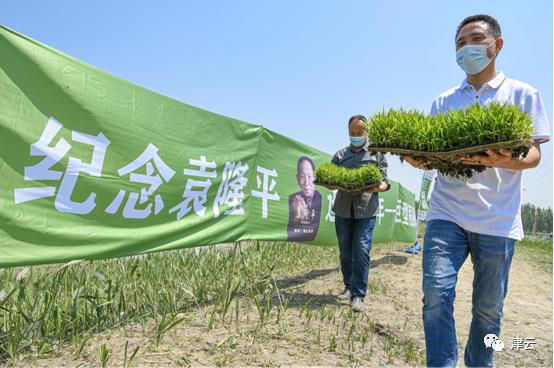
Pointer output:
x,y
300,68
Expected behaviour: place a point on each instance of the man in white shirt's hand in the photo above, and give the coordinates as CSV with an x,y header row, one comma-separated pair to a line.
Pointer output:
x,y
504,160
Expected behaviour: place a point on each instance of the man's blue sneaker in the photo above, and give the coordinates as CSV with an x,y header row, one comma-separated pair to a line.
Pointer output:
x,y
414,249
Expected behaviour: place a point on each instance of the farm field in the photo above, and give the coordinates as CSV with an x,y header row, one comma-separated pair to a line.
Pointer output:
x,y
259,303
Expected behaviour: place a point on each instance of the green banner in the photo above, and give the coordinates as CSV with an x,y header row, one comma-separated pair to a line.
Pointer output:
x,y
93,167
424,194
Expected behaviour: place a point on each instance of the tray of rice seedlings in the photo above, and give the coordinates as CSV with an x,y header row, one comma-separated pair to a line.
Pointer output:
x,y
441,140
333,177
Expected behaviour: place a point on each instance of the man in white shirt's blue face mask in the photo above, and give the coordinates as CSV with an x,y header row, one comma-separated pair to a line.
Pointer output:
x,y
479,216
477,46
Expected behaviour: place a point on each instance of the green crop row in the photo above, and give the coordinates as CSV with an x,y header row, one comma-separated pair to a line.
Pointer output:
x,y
331,174
44,309
456,129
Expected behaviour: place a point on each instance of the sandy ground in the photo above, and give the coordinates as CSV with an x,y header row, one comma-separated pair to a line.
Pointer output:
x,y
314,330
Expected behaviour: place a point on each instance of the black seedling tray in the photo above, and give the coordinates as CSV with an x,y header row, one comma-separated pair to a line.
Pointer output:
x,y
352,191
449,162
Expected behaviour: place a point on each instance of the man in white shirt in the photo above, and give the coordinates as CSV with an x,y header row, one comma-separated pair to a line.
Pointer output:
x,y
479,216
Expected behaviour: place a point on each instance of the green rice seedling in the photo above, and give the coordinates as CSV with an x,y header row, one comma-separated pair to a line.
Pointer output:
x,y
333,343
226,298
351,331
318,336
264,308
128,360
103,355
81,346
55,307
166,323
282,307
431,138
456,129
350,179
389,348
237,311
410,351
183,360
309,315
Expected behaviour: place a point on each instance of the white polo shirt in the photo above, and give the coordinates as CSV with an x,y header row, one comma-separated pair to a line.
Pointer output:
x,y
489,202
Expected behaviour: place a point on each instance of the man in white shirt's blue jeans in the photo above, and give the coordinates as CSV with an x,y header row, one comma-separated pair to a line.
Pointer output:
x,y
479,216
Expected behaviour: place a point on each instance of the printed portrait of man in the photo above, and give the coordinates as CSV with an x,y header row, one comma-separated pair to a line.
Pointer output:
x,y
305,205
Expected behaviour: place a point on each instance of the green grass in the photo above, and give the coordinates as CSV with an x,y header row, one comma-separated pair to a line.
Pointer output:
x,y
246,291
43,308
537,251
476,125
331,174
246,294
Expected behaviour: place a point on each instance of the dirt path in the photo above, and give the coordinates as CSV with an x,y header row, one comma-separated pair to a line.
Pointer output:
x,y
527,311
309,328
